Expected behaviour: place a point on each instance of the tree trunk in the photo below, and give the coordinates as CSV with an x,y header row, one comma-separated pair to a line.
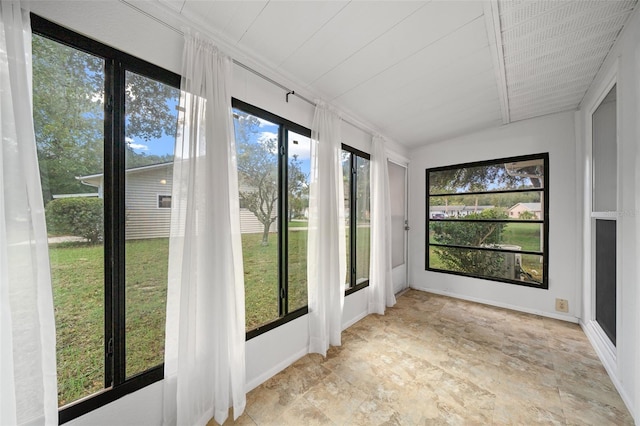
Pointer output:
x,y
265,234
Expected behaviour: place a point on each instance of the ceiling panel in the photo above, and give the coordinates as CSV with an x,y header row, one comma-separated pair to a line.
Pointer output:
x,y
283,26
344,35
553,51
458,55
230,19
426,26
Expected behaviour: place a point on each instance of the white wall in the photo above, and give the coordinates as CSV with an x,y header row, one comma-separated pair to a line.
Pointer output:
x,y
553,134
118,25
623,67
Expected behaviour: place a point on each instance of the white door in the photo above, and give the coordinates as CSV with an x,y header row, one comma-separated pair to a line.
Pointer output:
x,y
399,224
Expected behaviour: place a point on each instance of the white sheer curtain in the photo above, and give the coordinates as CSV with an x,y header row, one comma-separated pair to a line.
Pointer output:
x,y
205,340
326,250
28,393
380,280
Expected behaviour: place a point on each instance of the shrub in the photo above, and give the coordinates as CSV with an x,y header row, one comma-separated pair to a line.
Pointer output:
x,y
471,234
80,217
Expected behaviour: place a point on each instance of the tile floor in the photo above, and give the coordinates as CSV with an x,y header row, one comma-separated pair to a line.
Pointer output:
x,y
437,360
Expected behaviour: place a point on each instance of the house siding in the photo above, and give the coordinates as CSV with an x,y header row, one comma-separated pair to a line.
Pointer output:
x,y
144,218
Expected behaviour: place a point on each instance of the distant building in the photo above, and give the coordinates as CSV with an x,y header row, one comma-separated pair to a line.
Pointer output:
x,y
518,209
148,202
453,211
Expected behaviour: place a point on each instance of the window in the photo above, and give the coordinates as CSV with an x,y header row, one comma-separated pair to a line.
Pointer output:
x,y
105,125
273,158
490,220
355,168
164,201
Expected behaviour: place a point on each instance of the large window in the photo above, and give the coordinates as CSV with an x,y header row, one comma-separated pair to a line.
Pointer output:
x,y
356,175
105,126
273,178
490,220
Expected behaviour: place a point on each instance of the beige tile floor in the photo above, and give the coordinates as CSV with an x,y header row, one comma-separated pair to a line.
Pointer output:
x,y
437,360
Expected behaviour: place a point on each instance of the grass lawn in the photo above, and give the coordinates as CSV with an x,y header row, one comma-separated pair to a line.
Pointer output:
x,y
78,291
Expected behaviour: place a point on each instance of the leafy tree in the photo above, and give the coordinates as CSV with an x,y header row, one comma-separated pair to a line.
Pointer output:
x,y
298,188
473,234
68,111
257,172
527,215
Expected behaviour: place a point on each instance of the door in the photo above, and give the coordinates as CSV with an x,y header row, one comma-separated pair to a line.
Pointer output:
x,y
399,224
603,214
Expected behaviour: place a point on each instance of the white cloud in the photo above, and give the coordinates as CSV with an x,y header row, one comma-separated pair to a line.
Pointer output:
x,y
302,149
265,123
137,146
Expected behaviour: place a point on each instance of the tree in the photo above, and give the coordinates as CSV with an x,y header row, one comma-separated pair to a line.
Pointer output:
x,y
298,188
257,171
472,234
68,111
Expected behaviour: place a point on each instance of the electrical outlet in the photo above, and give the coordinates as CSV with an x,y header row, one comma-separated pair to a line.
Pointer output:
x,y
562,305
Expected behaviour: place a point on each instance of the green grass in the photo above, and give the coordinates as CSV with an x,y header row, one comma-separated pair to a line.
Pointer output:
x,y
78,291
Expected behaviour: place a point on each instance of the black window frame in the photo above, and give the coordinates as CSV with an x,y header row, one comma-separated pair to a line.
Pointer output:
x,y
544,221
353,191
117,63
162,200
284,125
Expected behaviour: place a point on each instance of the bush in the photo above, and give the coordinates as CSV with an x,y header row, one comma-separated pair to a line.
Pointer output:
x,y
80,217
471,234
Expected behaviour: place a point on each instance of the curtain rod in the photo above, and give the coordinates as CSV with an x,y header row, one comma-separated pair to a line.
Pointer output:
x,y
246,67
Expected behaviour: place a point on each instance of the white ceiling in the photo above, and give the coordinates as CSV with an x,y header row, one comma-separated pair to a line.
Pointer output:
x,y
419,71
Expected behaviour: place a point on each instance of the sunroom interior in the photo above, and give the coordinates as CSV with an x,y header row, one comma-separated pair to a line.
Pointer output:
x,y
450,85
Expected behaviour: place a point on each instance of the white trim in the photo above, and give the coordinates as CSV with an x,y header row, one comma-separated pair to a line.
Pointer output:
x,y
355,319
494,34
252,384
568,318
607,352
602,346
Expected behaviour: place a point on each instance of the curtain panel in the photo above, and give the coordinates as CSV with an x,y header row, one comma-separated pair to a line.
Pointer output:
x,y
380,278
326,250
28,393
205,331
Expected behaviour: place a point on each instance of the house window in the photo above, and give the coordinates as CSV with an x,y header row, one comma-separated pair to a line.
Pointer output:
x,y
273,157
164,201
355,168
105,120
490,220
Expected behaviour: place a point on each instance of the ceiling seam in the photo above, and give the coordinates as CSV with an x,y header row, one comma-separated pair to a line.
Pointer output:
x,y
370,42
252,22
315,32
494,33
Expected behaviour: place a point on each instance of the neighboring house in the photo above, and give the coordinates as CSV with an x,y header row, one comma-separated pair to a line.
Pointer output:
x,y
518,209
148,202
452,211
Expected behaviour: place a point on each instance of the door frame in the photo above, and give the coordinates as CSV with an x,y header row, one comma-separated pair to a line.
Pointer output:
x,y
606,350
404,163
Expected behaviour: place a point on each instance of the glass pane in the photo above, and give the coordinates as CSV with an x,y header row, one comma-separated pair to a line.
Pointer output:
x,y
604,152
363,224
150,134
346,176
481,263
257,148
68,113
514,205
299,152
514,236
525,174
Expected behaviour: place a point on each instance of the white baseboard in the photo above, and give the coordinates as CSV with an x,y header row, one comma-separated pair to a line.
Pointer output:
x,y
275,370
607,354
354,320
569,318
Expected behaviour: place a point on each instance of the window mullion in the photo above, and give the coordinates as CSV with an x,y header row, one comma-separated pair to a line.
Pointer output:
x,y
352,221
283,252
118,146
